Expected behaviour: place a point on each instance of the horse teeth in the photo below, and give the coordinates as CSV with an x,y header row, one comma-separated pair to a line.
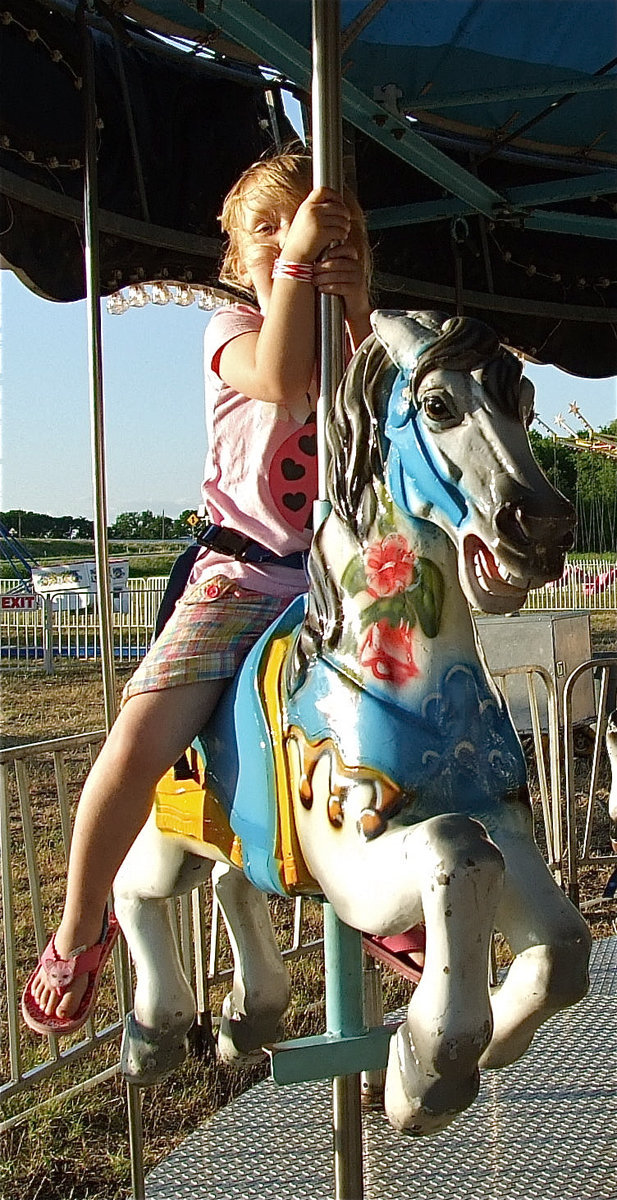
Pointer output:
x,y
480,576
483,562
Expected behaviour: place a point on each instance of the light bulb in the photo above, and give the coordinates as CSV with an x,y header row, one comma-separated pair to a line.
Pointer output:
x,y
206,299
160,293
117,304
184,295
137,296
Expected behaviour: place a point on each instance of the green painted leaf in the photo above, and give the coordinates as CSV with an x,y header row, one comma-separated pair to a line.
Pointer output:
x,y
410,610
390,608
428,596
353,579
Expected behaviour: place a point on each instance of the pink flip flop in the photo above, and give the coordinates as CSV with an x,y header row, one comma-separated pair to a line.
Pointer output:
x,y
60,973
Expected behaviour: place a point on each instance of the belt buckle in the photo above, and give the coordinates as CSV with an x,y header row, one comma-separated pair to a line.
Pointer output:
x,y
225,541
232,543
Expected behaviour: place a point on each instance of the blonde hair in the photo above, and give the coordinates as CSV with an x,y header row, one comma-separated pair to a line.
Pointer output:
x,y
285,177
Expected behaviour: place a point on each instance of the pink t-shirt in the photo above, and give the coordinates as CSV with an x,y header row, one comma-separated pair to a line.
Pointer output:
x,y
261,468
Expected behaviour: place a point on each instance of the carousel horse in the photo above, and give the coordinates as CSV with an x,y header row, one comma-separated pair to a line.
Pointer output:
x,y
363,752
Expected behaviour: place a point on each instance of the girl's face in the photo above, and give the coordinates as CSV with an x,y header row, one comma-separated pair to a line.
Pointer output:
x,y
265,227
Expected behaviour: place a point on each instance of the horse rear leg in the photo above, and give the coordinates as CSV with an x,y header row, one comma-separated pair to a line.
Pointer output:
x,y
551,944
433,1071
253,1009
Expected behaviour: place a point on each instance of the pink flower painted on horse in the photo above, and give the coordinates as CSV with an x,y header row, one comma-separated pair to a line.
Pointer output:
x,y
389,566
387,650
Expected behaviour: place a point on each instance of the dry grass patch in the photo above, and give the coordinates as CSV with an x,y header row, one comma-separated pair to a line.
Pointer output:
x,y
77,1149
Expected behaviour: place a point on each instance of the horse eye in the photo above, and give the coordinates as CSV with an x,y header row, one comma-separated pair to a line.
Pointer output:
x,y
436,408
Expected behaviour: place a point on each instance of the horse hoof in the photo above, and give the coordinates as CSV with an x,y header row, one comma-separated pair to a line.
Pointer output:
x,y
241,1038
421,1102
147,1055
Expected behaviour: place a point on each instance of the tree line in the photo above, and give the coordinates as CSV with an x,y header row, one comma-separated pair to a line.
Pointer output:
x,y
144,525
589,480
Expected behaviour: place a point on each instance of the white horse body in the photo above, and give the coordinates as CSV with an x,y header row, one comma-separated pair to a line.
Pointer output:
x,y
408,784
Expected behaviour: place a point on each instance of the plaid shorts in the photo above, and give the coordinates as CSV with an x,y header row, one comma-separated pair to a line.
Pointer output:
x,y
211,630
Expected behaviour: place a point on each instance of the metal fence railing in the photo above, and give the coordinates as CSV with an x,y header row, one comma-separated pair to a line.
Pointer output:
x,y
589,584
583,817
39,785
64,625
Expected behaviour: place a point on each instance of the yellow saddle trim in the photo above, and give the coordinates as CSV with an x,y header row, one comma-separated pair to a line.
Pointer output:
x,y
185,807
190,809
296,875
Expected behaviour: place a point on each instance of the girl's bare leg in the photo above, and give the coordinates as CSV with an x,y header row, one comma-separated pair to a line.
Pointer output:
x,y
151,732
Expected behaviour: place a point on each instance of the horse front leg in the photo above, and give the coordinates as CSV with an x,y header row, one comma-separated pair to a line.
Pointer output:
x,y
446,872
433,1070
157,867
252,1011
551,944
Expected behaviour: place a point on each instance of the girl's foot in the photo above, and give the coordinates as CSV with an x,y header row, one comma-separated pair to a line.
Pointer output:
x,y
61,991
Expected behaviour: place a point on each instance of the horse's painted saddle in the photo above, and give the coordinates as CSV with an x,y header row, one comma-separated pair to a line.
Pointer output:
x,y
241,804
458,753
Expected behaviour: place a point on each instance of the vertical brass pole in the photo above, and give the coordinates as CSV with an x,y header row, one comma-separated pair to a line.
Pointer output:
x,y
95,374
343,951
101,556
327,172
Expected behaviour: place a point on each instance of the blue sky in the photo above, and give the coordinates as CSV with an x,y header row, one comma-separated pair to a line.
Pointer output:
x,y
153,387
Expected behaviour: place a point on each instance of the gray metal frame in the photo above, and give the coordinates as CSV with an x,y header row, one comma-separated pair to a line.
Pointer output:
x,y
201,950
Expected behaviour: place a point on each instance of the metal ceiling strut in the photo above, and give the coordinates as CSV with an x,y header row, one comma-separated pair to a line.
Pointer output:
x,y
240,21
245,24
528,91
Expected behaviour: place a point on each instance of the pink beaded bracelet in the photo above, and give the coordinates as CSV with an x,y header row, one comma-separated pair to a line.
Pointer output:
x,y
282,269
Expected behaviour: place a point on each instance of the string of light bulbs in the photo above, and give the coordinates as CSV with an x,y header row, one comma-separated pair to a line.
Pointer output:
x,y
33,35
138,295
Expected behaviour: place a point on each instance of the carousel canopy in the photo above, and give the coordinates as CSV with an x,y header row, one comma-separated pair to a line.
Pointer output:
x,y
481,137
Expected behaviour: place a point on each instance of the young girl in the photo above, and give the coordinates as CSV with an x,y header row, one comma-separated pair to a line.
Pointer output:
x,y
286,244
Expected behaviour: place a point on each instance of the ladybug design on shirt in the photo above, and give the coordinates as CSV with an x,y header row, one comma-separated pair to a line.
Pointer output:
x,y
293,476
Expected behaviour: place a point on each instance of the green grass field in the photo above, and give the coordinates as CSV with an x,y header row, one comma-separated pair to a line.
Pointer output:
x,y
145,558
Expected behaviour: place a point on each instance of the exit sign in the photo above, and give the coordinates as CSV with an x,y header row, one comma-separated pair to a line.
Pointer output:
x,y
19,602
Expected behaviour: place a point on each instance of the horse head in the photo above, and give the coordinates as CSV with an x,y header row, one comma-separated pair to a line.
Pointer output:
x,y
445,427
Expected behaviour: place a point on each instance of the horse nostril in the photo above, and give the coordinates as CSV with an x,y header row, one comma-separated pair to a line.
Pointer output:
x,y
520,527
508,522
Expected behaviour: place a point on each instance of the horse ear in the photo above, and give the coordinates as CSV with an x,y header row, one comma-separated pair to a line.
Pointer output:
x,y
404,335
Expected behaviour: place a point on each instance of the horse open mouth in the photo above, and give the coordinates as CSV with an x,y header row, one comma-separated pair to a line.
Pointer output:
x,y
490,586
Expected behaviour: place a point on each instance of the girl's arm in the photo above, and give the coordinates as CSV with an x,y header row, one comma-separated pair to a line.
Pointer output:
x,y
277,364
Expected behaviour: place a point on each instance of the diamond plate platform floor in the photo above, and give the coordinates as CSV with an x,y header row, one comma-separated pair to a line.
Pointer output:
x,y
543,1129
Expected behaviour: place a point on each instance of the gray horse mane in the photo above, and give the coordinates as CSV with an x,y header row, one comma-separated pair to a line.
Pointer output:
x,y
358,447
